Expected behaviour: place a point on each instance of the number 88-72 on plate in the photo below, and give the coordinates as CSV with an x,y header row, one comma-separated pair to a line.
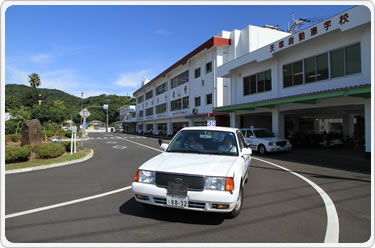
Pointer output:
x,y
177,201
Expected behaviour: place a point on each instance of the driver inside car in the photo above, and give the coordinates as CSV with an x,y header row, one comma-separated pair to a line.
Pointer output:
x,y
192,143
228,145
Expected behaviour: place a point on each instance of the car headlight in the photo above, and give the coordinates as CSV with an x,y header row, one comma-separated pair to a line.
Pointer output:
x,y
144,176
215,183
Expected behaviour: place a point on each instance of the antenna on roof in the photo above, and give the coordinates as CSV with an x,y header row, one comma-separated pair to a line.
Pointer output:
x,y
297,24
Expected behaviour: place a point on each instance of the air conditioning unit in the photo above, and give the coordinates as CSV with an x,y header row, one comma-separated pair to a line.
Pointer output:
x,y
195,111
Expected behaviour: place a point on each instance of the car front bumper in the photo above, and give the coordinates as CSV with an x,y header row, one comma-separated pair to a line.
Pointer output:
x,y
198,200
279,148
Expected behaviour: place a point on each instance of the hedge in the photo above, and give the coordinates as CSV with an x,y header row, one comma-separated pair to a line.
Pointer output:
x,y
16,154
50,133
67,145
11,127
13,137
51,150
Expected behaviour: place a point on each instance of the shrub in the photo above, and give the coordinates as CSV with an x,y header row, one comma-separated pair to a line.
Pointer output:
x,y
50,133
13,137
68,133
67,145
16,154
11,127
50,150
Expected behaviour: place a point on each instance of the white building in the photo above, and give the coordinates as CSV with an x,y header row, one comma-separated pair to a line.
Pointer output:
x,y
316,80
128,118
186,93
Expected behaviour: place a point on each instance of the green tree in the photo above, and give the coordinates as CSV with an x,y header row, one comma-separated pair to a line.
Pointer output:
x,y
12,102
34,80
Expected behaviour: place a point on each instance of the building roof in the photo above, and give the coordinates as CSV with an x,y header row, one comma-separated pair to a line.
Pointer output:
x,y
213,42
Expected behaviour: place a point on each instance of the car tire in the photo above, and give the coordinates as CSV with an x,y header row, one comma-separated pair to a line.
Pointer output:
x,y
262,149
237,209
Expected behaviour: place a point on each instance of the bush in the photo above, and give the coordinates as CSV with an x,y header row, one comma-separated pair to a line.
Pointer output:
x,y
68,133
51,150
11,127
16,154
67,145
50,133
13,137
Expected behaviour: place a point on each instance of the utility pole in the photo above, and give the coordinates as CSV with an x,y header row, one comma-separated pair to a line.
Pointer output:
x,y
82,129
107,121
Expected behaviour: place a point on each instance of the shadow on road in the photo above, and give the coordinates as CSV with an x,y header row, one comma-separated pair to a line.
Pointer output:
x,y
132,207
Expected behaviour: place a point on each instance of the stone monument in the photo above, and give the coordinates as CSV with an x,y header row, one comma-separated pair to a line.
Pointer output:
x,y
31,133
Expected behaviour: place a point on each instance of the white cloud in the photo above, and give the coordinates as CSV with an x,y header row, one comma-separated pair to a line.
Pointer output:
x,y
132,79
41,58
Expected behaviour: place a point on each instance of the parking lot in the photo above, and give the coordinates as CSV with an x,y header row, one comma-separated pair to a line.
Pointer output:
x,y
280,206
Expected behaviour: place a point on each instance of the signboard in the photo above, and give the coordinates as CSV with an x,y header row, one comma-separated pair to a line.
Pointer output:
x,y
105,106
211,123
84,125
84,113
74,129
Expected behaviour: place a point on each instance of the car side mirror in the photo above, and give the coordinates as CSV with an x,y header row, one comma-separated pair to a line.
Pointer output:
x,y
160,142
247,151
164,146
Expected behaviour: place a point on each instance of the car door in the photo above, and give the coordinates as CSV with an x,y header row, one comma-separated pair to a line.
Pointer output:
x,y
246,158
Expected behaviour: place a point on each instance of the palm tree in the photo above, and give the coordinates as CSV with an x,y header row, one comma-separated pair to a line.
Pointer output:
x,y
34,80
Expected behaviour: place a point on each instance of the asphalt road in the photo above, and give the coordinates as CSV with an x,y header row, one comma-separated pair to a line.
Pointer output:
x,y
278,206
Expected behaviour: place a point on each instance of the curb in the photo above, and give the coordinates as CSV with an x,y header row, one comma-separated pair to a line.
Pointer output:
x,y
42,167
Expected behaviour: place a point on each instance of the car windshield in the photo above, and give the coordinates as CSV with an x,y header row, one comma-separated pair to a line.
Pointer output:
x,y
205,142
263,133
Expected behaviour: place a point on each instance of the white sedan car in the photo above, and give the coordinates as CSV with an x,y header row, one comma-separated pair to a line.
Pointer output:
x,y
203,169
263,141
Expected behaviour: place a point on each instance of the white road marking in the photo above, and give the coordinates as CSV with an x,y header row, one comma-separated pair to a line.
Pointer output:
x,y
65,203
119,147
142,145
332,231
111,142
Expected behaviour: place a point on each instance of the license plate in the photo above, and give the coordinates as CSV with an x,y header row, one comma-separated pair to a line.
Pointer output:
x,y
177,201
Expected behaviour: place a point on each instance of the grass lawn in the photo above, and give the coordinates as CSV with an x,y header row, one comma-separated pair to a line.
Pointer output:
x,y
38,162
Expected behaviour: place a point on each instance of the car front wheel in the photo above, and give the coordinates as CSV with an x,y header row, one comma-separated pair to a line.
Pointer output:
x,y
237,209
262,149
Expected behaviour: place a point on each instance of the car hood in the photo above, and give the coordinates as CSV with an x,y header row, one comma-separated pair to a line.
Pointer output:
x,y
192,164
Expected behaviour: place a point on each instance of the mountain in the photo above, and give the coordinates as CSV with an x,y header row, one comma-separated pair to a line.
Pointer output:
x,y
19,94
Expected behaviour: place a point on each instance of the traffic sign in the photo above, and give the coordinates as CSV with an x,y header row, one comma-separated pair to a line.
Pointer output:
x,y
105,106
74,129
84,113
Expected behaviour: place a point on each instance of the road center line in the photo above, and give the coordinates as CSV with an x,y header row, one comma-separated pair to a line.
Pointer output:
x,y
66,203
332,231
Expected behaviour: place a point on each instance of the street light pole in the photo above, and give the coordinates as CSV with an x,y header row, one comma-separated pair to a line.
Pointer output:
x,y
82,129
107,122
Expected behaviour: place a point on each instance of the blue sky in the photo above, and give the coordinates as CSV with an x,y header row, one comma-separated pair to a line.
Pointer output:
x,y
109,49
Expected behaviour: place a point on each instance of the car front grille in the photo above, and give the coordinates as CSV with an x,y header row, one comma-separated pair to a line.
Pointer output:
x,y
281,143
195,183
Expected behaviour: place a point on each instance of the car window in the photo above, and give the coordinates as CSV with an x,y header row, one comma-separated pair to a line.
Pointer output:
x,y
263,133
243,132
204,142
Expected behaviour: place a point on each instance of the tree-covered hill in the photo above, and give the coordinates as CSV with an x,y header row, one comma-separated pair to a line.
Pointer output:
x,y
24,97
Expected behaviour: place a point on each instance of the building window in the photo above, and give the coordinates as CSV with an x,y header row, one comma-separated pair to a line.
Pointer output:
x,y
185,102
257,83
293,74
197,101
161,89
140,99
149,95
316,68
180,79
346,61
141,113
149,111
176,104
209,67
197,72
162,108
209,99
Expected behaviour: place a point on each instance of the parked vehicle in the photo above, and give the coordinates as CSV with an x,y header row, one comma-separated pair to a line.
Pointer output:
x,y
202,169
263,141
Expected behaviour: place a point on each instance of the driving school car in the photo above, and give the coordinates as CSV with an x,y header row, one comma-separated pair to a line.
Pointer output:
x,y
202,169
263,141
